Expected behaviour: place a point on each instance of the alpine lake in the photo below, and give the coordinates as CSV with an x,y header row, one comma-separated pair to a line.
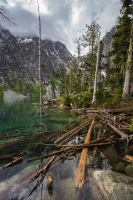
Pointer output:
x,y
24,126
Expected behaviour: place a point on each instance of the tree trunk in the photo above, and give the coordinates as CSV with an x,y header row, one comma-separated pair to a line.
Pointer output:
x,y
39,63
96,72
126,88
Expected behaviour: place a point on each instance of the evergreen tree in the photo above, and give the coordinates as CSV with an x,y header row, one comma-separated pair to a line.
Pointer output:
x,y
90,40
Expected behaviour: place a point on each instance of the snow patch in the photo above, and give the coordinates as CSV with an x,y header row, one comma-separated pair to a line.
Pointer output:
x,y
26,40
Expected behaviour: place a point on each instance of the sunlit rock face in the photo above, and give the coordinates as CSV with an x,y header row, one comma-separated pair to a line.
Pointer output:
x,y
19,58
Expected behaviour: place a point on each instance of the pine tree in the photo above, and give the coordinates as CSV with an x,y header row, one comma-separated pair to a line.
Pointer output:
x,y
90,40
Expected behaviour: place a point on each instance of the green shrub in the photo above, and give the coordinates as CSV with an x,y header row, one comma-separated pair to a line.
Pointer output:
x,y
131,125
65,101
109,103
2,89
99,95
81,100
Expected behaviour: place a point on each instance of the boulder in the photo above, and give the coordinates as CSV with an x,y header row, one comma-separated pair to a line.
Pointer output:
x,y
112,151
119,167
114,185
129,170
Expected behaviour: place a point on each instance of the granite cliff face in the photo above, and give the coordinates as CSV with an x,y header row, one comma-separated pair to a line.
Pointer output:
x,y
19,58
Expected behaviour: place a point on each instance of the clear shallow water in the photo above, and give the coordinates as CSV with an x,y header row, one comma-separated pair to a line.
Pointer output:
x,y
22,126
26,114
20,132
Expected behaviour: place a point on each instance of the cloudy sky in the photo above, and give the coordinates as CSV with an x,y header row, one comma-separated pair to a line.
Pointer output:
x,y
62,20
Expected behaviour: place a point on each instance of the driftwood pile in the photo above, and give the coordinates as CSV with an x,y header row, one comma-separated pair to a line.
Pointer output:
x,y
118,123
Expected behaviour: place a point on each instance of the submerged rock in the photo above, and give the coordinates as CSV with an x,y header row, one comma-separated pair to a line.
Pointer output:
x,y
129,170
112,151
119,167
114,185
68,191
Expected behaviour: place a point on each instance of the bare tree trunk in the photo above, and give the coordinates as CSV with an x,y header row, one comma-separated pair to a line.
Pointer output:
x,y
126,88
39,67
96,72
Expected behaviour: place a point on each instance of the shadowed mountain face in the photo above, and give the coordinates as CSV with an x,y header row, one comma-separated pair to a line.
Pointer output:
x,y
19,58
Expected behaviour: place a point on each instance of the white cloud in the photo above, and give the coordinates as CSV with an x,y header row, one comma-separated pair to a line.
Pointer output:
x,y
62,20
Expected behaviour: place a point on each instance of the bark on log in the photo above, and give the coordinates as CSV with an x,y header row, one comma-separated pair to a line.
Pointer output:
x,y
129,158
80,176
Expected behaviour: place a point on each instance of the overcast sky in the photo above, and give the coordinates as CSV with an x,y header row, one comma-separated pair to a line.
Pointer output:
x,y
62,20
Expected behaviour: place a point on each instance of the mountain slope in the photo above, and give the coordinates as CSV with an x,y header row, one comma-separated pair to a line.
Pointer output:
x,y
19,58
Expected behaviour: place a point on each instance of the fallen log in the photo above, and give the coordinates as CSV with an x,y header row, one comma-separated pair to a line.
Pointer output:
x,y
11,156
71,148
80,176
124,159
126,151
21,140
120,133
36,175
72,132
121,110
129,158
15,162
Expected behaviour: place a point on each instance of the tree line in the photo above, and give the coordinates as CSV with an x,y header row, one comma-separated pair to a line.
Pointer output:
x,y
112,81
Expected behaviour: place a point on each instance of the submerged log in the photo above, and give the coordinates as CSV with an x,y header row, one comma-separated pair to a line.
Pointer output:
x,y
11,156
80,176
42,170
72,148
72,132
15,162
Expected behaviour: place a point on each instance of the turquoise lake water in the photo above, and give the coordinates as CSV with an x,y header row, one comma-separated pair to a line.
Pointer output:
x,y
25,115
24,128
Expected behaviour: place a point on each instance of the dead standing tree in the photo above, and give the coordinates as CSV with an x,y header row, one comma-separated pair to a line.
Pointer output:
x,y
39,63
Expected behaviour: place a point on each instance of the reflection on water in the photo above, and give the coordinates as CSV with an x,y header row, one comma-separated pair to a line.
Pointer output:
x,y
24,128
63,186
25,114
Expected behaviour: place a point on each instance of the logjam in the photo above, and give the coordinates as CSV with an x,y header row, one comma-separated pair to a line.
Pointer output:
x,y
80,176
72,132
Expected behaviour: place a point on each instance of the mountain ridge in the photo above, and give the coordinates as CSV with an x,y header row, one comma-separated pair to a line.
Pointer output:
x,y
19,58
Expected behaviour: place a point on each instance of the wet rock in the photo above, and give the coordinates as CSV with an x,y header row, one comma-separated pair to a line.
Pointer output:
x,y
114,185
129,170
67,170
68,191
119,167
112,151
